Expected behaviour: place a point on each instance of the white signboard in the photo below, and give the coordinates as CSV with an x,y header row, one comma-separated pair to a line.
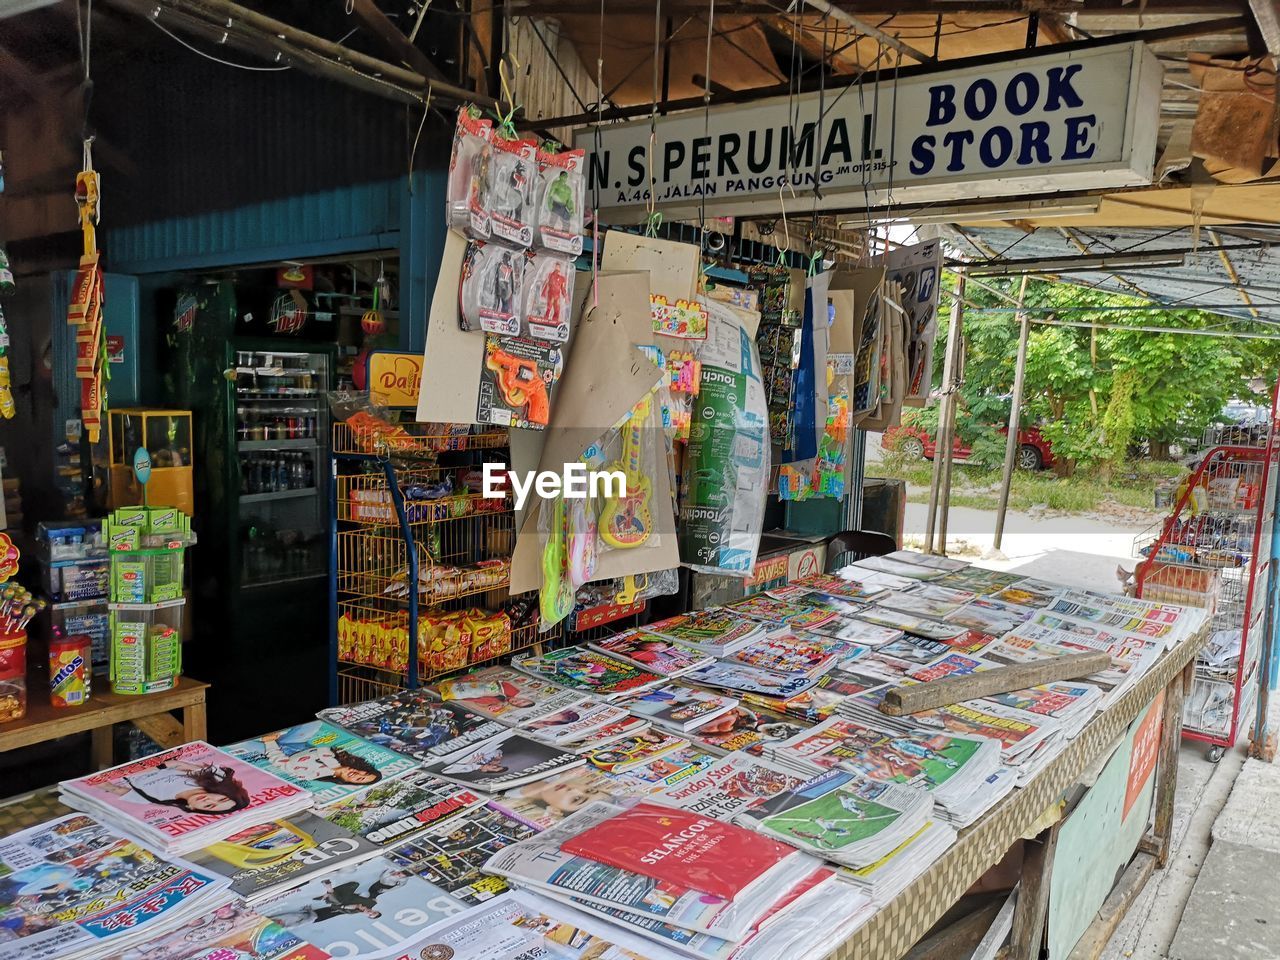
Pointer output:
x,y
1059,121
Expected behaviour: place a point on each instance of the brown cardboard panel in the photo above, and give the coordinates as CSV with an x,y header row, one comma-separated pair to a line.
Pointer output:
x,y
673,266
453,357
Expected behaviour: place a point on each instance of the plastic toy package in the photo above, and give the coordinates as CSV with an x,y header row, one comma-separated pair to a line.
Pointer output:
x,y
516,382
513,173
567,529
548,297
467,197
637,451
560,193
490,289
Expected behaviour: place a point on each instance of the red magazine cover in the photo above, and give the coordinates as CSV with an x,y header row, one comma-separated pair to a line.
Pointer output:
x,y
682,849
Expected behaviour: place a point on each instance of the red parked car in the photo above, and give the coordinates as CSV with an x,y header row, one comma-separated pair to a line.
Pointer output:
x,y
1034,451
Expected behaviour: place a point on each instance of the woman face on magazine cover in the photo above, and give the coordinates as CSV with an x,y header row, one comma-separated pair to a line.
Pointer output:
x,y
202,801
568,797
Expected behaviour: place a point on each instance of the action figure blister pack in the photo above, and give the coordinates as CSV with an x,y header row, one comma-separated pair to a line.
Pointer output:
x,y
490,289
548,297
513,174
467,196
560,191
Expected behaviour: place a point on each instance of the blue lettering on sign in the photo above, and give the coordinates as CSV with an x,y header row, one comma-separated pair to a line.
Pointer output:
x,y
1078,129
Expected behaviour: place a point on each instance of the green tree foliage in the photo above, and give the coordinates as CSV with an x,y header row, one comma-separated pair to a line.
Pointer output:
x,y
1094,393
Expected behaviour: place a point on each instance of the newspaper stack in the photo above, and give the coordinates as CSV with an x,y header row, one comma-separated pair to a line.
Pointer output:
x,y
931,560
679,708
233,932
508,696
991,616
806,614
648,651
907,569
894,872
575,723
716,632
843,817
76,889
1131,656
182,799
955,770
731,787
394,811
843,588
790,653
504,762
886,616
413,723
540,863
1165,621
927,600
588,671
822,699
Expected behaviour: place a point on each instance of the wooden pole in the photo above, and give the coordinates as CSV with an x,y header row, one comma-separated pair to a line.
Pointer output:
x,y
1015,415
948,366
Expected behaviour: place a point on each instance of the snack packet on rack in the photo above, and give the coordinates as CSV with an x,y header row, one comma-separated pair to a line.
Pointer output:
x,y
467,193
560,194
513,173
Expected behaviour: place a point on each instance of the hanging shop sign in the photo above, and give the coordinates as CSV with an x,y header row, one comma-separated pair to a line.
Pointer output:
x,y
1079,120
395,378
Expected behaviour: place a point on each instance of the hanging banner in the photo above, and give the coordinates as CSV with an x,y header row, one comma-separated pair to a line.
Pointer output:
x,y
1078,120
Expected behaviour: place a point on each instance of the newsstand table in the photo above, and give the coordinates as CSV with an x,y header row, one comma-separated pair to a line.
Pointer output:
x,y
150,713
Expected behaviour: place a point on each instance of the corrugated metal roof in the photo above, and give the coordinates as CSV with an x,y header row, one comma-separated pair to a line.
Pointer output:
x,y
1202,282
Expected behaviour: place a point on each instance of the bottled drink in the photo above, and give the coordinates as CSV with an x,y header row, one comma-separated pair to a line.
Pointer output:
x,y
7,286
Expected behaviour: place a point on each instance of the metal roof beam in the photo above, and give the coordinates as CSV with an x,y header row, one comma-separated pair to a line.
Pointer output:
x,y
862,26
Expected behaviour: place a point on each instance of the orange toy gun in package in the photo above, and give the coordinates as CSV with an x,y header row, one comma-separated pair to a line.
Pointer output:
x,y
515,385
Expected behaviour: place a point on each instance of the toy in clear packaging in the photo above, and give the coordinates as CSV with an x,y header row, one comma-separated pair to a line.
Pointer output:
x,y
516,382
560,200
555,599
627,521
513,170
548,297
490,289
467,200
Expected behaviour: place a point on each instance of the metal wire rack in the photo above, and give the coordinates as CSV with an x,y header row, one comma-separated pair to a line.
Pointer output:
x,y
369,436
1214,551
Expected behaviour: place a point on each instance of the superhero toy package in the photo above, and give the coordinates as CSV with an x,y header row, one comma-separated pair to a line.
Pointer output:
x,y
513,174
516,382
548,297
490,288
467,199
560,192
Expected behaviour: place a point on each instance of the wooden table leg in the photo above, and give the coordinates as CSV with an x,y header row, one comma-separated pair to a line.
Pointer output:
x,y
1167,765
102,746
194,722
1033,896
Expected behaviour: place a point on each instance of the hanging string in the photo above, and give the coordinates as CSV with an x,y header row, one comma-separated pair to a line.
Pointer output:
x,y
595,185
706,121
653,219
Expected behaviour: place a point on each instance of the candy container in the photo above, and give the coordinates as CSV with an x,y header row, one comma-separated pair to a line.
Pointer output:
x,y
70,670
13,652
13,695
467,198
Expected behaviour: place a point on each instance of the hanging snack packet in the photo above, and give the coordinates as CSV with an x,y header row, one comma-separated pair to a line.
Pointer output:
x,y
467,196
548,296
560,191
513,170
490,288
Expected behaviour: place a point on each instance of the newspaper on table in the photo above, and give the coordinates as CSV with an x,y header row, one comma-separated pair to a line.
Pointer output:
x,y
821,700
505,695
1084,605
680,708
498,929
231,932
933,560
979,580
504,762
898,568
414,723
793,654
843,818
742,678
924,627
798,615
854,630
662,772
927,600
394,811
185,798
588,671
896,870
649,651
747,727
831,585
370,911
716,632
635,752
1029,592
269,858
323,759
547,802
75,889
540,863
452,854
990,616
738,783
1130,658
575,723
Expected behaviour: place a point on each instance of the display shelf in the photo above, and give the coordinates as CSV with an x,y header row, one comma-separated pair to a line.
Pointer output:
x,y
375,438
278,495
292,443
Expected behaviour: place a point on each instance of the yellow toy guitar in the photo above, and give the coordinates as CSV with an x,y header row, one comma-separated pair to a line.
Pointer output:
x,y
627,521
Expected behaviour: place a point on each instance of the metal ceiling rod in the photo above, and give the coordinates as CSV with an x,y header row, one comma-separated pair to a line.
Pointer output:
x,y
1146,328
857,23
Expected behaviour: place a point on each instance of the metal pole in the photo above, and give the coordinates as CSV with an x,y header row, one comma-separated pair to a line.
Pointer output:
x,y
948,366
949,453
1015,415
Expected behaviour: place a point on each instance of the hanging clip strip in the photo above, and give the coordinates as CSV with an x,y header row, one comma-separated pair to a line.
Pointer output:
x,y
815,262
653,223
506,121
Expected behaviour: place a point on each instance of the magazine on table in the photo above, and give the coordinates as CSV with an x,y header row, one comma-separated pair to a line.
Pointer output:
x,y
772,611
742,678
578,721
738,783
501,693
662,772
323,759
899,568
366,912
822,699
717,632
635,751
505,762
651,652
588,671
680,708
547,802
787,652
844,818
834,586
990,616
186,797
860,632
75,889
933,560
267,858
415,723
908,623
396,810
498,929
452,854
231,932
746,727
689,851
541,863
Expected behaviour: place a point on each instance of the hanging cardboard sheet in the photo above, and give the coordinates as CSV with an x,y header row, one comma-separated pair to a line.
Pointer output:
x,y
606,374
453,358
